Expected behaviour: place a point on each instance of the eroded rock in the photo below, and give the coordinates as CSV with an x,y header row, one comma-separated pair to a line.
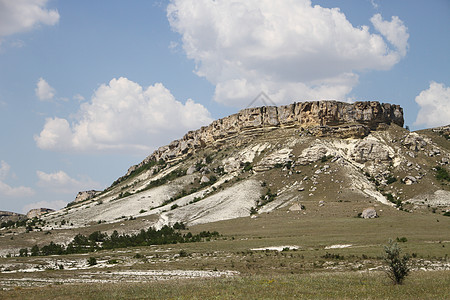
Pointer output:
x,y
369,213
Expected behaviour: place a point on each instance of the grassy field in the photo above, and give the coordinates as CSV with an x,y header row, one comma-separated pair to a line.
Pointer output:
x,y
314,270
353,285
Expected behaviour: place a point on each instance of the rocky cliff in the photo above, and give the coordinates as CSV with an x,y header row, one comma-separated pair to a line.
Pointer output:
x,y
320,116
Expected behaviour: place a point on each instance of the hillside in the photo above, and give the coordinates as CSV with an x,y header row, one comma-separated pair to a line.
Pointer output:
x,y
284,202
269,158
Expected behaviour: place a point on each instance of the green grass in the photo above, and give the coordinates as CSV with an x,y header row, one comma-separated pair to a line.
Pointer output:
x,y
420,285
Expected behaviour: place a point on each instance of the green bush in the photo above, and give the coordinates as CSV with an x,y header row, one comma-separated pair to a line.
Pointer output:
x,y
397,265
92,261
248,166
402,239
390,179
442,174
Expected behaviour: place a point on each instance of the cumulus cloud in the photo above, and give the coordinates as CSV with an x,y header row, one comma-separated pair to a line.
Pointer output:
x,y
23,15
6,189
57,204
60,182
44,91
434,105
123,116
394,31
290,49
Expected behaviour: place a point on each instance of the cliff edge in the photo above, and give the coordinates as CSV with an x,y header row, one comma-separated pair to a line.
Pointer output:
x,y
321,116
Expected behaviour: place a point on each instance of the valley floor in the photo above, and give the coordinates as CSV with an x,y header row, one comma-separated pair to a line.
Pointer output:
x,y
322,256
348,285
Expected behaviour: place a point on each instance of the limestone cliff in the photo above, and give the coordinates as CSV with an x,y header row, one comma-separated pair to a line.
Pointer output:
x,y
315,114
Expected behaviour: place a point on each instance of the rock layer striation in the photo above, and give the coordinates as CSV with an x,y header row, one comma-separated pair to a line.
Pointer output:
x,y
320,116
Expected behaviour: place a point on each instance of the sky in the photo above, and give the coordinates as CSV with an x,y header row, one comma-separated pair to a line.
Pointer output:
x,y
89,88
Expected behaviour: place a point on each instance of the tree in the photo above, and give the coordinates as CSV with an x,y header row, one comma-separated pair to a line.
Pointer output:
x,y
23,252
92,261
397,265
35,250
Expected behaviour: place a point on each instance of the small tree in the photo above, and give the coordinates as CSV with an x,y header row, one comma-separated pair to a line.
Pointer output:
x,y
92,261
397,266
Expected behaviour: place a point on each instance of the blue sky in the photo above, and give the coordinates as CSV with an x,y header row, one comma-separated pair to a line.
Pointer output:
x,y
89,88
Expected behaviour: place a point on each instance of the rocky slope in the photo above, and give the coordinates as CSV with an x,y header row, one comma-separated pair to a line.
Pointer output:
x,y
6,216
317,114
309,155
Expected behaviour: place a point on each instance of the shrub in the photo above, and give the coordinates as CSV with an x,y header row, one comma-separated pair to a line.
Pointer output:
x,y
183,253
174,206
442,174
402,239
390,179
92,261
23,252
447,214
397,265
248,166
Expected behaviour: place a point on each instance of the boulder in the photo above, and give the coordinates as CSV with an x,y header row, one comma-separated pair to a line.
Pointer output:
x,y
296,207
191,170
408,180
204,179
369,213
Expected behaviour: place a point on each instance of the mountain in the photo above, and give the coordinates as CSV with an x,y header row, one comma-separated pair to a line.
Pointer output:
x,y
320,156
6,216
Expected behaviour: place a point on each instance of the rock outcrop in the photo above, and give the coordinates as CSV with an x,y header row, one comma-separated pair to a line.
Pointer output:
x,y
359,118
6,216
37,212
85,195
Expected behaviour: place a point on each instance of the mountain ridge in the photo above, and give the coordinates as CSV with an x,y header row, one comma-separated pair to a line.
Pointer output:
x,y
319,114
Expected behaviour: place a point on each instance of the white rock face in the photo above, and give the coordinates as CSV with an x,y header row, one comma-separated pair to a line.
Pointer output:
x,y
38,212
281,157
85,195
233,202
312,154
369,150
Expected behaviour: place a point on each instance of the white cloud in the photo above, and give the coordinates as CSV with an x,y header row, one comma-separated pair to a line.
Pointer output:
x,y
9,191
78,97
57,204
60,182
289,49
374,4
394,31
4,169
44,91
434,106
18,16
123,116
20,191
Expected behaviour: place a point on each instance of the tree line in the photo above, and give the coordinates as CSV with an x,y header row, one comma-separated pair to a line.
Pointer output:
x,y
100,241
